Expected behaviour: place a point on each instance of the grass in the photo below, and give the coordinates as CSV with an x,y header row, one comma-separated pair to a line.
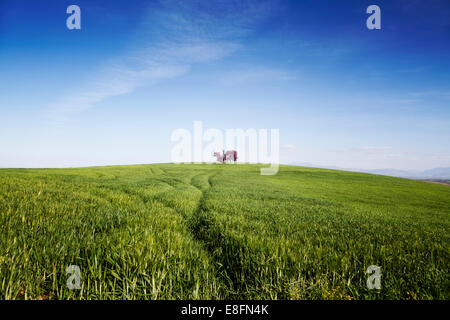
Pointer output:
x,y
221,232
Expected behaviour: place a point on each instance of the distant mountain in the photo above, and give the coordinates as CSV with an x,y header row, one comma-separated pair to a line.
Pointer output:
x,y
436,173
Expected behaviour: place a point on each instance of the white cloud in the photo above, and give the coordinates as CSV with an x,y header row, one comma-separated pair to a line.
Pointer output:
x,y
254,75
431,93
288,147
186,33
371,149
400,101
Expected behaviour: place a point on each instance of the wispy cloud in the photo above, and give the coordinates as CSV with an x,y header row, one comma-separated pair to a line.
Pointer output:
x,y
288,147
256,75
365,150
432,93
418,96
400,101
414,69
371,149
173,37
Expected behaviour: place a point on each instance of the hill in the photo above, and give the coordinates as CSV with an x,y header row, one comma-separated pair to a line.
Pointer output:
x,y
221,232
430,174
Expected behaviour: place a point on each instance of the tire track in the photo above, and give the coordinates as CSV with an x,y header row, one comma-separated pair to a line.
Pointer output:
x,y
227,253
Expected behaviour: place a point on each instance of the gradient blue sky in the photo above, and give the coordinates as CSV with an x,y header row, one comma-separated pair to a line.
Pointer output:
x,y
114,91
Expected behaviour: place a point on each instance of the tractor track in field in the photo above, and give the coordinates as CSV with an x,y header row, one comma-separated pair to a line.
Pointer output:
x,y
143,199
225,251
200,188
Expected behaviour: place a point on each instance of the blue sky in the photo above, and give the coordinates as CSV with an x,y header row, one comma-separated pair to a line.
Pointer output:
x,y
114,91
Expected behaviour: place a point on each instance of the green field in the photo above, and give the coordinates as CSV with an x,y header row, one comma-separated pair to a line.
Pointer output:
x,y
221,232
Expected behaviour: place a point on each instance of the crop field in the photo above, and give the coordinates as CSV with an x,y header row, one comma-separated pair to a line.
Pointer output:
x,y
221,232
